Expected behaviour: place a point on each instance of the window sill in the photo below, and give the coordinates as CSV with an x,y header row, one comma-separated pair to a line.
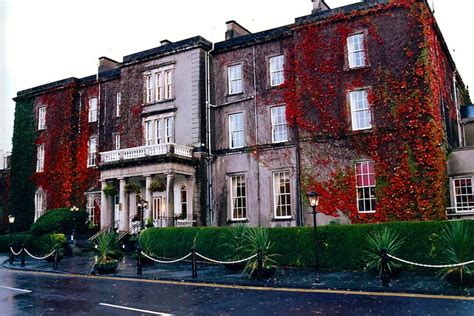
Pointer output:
x,y
282,219
159,102
244,220
367,212
347,68
362,131
234,94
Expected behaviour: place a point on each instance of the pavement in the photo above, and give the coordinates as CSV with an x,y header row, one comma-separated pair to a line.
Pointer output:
x,y
407,282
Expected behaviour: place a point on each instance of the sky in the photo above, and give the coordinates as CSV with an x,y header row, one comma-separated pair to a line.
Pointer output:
x,y
48,40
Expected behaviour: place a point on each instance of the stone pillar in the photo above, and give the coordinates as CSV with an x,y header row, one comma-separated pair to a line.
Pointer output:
x,y
105,219
170,197
148,197
124,213
191,186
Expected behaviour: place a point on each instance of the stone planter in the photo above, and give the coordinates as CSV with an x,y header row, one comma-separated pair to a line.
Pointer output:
x,y
106,268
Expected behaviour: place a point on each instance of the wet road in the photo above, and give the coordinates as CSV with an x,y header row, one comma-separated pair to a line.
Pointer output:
x,y
27,293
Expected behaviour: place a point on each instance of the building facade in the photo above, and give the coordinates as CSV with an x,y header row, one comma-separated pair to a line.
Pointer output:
x,y
360,103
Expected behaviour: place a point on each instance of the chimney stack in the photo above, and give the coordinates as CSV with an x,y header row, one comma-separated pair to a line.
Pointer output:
x,y
165,42
234,30
318,6
106,64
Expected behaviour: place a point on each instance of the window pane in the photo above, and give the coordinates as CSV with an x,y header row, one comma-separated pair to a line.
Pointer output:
x,y
236,130
235,79
365,185
238,197
282,194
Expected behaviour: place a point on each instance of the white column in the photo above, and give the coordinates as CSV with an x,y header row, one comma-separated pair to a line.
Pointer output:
x,y
191,185
148,197
124,213
104,207
170,197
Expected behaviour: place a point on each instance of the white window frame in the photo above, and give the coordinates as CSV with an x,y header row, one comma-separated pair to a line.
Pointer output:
x,y
463,194
40,158
234,78
366,193
40,203
159,130
41,118
117,141
168,74
92,151
150,97
118,103
356,50
183,200
90,207
169,129
238,213
277,65
236,132
159,86
361,114
280,197
93,110
279,124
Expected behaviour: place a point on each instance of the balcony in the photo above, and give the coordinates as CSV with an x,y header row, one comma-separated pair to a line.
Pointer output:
x,y
146,151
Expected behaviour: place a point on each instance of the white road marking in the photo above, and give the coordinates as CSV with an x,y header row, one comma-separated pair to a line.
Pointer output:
x,y
135,309
14,289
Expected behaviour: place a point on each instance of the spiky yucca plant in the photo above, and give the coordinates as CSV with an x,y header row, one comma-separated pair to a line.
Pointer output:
x,y
106,247
383,239
256,238
455,244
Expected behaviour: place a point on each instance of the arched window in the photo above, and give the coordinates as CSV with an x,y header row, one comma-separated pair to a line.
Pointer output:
x,y
184,201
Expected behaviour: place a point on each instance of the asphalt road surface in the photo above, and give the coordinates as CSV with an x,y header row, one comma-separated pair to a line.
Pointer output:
x,y
28,293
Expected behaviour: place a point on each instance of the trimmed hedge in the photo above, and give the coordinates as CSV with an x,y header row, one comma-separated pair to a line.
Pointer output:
x,y
20,238
59,221
342,246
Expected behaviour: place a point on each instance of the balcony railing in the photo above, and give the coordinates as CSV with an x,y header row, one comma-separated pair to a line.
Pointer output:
x,y
146,151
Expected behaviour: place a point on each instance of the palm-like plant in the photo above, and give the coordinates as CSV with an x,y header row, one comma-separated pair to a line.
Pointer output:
x,y
383,239
254,239
236,241
455,244
106,248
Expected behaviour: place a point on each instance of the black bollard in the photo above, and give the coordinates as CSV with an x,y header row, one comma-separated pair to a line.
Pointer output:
x,y
384,276
259,264
193,263
22,255
55,262
139,260
11,258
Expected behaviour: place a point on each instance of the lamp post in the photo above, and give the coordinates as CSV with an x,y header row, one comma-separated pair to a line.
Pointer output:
x,y
313,198
74,209
142,204
11,221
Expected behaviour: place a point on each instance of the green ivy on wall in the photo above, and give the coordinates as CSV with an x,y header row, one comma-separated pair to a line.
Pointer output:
x,y
23,165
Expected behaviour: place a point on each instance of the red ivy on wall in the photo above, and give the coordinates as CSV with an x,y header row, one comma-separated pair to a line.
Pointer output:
x,y
406,142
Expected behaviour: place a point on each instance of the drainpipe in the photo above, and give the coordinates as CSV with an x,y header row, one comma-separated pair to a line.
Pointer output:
x,y
256,135
210,215
458,117
299,202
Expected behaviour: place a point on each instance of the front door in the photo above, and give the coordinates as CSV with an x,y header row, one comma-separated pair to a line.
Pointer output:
x,y
158,211
116,209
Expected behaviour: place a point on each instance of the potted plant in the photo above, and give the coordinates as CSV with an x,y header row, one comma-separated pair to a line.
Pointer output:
x,y
254,239
106,248
234,245
48,243
383,239
157,186
132,187
109,189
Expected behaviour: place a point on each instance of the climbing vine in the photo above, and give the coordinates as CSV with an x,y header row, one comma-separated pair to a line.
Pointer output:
x,y
407,82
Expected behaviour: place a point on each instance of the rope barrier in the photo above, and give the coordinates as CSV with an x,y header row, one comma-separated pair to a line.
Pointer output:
x,y
225,262
436,266
14,253
39,258
163,261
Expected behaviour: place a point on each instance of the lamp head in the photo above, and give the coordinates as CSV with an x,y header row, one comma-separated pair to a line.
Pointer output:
x,y
313,198
11,219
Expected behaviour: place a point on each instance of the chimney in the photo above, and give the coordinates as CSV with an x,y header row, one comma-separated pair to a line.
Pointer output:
x,y
234,30
165,42
318,6
106,64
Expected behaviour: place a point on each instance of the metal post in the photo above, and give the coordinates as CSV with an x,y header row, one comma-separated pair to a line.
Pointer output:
x,y
193,263
56,259
317,278
139,260
22,255
12,256
259,264
384,276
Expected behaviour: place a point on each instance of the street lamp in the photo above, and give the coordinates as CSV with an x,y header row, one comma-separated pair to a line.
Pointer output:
x,y
142,204
11,220
74,209
313,198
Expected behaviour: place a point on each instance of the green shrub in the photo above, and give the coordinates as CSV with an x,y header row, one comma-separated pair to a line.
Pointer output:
x,y
105,246
20,238
60,221
341,246
257,238
47,243
383,239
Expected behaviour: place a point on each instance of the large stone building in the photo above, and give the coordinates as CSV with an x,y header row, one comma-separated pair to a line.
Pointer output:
x,y
360,103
